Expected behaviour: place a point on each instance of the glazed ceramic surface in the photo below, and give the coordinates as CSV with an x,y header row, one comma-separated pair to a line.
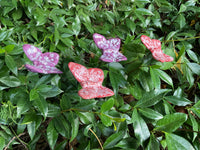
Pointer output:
x,y
90,80
42,62
155,47
110,48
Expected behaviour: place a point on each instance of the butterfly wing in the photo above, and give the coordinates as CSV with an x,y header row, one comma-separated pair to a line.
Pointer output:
x,y
104,92
79,72
120,57
100,41
32,52
34,69
107,57
151,44
42,69
87,93
98,92
162,57
95,77
114,44
50,58
112,57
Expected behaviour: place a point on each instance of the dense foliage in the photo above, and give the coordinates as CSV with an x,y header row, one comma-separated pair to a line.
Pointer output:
x,y
156,105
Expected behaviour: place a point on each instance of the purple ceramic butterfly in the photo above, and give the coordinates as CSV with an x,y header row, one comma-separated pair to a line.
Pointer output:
x,y
42,62
109,47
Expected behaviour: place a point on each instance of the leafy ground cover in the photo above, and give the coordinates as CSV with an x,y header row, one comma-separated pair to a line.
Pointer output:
x,y
156,105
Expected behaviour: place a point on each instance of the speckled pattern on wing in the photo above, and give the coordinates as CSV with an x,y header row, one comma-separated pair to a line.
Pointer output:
x,y
110,48
90,80
155,47
42,63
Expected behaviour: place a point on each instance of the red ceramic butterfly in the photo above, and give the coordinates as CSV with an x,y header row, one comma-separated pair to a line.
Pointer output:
x,y
90,80
42,62
155,47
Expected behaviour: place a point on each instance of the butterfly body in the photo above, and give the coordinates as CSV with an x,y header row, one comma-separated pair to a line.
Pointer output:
x,y
90,80
155,47
42,62
110,48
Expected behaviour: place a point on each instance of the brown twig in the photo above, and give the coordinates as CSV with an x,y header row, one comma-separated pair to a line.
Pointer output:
x,y
14,139
96,138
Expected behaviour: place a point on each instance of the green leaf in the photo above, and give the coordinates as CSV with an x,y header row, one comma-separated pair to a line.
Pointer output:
x,y
150,113
42,105
181,52
53,110
61,145
11,64
171,122
153,144
106,120
181,21
140,127
132,50
52,134
2,143
76,26
164,76
49,91
189,76
143,11
56,36
179,101
183,8
170,35
110,17
117,80
6,129
113,139
23,105
151,98
44,80
155,78
74,124
10,81
107,105
9,48
175,142
62,126
131,25
33,126
17,14
70,3
33,94
194,125
196,109
86,117
128,143
194,67
192,55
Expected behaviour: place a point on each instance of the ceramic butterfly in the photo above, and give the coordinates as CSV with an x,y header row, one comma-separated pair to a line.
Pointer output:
x,y
155,47
90,80
42,62
109,47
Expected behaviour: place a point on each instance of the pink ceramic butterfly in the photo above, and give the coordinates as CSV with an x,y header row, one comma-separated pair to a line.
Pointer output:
x,y
109,47
90,80
42,62
155,47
